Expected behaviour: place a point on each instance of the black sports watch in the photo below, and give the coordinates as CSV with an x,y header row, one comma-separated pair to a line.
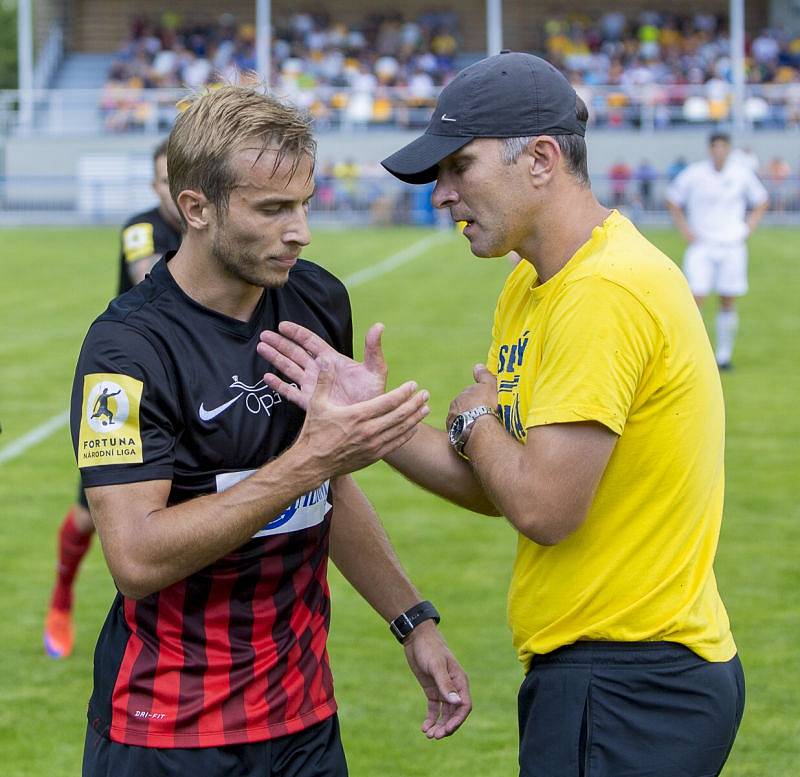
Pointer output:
x,y
460,428
407,621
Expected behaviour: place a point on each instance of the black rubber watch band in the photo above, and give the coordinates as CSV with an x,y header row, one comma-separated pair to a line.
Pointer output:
x,y
407,621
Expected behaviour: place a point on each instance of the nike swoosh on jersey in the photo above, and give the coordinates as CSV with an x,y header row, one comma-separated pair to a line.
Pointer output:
x,y
208,415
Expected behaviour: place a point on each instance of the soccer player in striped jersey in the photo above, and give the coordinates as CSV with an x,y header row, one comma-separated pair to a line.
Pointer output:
x,y
217,503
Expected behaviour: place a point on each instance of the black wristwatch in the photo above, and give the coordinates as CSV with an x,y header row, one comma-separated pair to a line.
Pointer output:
x,y
407,621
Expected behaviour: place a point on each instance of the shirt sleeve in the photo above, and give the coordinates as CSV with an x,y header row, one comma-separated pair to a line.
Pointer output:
x,y
138,241
599,343
124,416
678,190
755,190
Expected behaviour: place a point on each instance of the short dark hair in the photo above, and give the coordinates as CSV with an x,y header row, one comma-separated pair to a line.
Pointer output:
x,y
573,147
715,136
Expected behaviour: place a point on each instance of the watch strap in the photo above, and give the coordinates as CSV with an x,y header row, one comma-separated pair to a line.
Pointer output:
x,y
407,621
470,416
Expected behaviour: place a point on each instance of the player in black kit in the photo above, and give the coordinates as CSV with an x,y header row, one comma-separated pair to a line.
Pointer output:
x,y
217,503
144,239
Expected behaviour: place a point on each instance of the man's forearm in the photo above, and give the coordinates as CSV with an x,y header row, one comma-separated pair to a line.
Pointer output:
x,y
429,460
755,216
363,554
679,218
163,545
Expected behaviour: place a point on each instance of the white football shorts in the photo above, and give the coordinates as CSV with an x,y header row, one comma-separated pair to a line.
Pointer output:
x,y
719,267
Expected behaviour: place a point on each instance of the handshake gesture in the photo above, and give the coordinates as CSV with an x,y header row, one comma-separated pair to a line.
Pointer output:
x,y
350,421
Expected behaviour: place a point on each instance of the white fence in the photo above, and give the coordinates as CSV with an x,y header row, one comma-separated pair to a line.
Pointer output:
x,y
649,107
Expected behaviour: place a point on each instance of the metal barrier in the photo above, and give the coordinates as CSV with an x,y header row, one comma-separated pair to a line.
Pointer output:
x,y
649,107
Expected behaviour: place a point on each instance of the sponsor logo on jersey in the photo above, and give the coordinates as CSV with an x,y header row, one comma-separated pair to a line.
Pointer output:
x,y
138,242
257,399
109,432
306,511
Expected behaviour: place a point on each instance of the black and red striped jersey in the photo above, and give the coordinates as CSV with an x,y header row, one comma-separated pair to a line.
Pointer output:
x,y
168,389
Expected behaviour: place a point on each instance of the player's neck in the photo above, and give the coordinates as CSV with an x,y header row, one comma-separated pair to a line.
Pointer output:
x,y
554,239
199,276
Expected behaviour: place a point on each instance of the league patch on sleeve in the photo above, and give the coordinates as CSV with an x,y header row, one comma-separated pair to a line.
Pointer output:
x,y
110,431
137,242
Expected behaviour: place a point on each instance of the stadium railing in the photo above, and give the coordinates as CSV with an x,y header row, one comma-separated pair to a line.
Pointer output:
x,y
107,192
649,107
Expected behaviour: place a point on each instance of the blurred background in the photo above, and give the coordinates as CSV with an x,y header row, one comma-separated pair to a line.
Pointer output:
x,y
98,82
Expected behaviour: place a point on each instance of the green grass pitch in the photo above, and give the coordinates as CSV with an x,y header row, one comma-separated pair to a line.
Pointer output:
x,y
437,310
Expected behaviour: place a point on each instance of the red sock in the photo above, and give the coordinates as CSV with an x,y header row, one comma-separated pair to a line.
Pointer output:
x,y
72,547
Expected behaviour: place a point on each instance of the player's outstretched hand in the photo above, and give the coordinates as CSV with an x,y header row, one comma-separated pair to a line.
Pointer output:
x,y
340,439
295,352
442,679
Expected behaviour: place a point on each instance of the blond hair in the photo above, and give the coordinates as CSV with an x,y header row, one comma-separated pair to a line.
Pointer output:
x,y
219,123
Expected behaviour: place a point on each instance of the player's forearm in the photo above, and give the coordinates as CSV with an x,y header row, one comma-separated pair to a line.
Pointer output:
x,y
162,546
755,216
679,218
362,553
499,463
429,460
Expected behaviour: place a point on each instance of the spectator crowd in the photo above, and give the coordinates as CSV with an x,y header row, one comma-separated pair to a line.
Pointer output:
x,y
658,69
386,69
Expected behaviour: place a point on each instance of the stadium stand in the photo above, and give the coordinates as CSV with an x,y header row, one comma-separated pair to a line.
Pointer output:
x,y
370,75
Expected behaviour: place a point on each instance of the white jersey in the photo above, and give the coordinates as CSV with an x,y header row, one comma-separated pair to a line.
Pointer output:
x,y
716,201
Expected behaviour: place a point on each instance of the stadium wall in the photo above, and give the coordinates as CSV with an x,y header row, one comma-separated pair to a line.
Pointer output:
x,y
93,179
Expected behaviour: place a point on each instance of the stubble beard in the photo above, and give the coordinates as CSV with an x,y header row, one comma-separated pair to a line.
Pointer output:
x,y
244,265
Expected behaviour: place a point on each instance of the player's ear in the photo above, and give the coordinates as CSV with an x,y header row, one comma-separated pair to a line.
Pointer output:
x,y
195,209
543,154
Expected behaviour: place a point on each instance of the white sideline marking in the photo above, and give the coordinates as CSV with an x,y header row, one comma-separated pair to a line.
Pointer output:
x,y
43,431
396,260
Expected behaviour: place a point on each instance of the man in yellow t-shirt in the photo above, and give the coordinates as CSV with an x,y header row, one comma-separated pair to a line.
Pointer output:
x,y
596,429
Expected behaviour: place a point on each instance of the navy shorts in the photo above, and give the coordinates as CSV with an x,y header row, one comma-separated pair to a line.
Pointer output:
x,y
81,498
314,752
639,709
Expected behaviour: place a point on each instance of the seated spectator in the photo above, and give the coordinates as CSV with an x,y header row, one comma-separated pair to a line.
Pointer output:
x,y
646,175
776,179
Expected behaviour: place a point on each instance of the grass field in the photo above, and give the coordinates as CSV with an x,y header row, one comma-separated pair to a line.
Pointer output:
x,y
437,310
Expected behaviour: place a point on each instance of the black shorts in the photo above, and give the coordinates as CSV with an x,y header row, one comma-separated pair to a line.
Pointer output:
x,y
603,709
314,752
81,499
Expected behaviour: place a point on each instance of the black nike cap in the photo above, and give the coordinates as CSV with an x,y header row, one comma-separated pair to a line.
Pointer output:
x,y
509,95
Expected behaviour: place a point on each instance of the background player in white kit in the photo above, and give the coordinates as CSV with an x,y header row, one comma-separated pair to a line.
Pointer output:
x,y
709,203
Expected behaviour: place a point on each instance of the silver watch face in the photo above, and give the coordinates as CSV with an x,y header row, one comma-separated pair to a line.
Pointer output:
x,y
456,428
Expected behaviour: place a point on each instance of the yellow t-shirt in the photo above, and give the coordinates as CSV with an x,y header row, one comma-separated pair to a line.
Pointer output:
x,y
615,337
